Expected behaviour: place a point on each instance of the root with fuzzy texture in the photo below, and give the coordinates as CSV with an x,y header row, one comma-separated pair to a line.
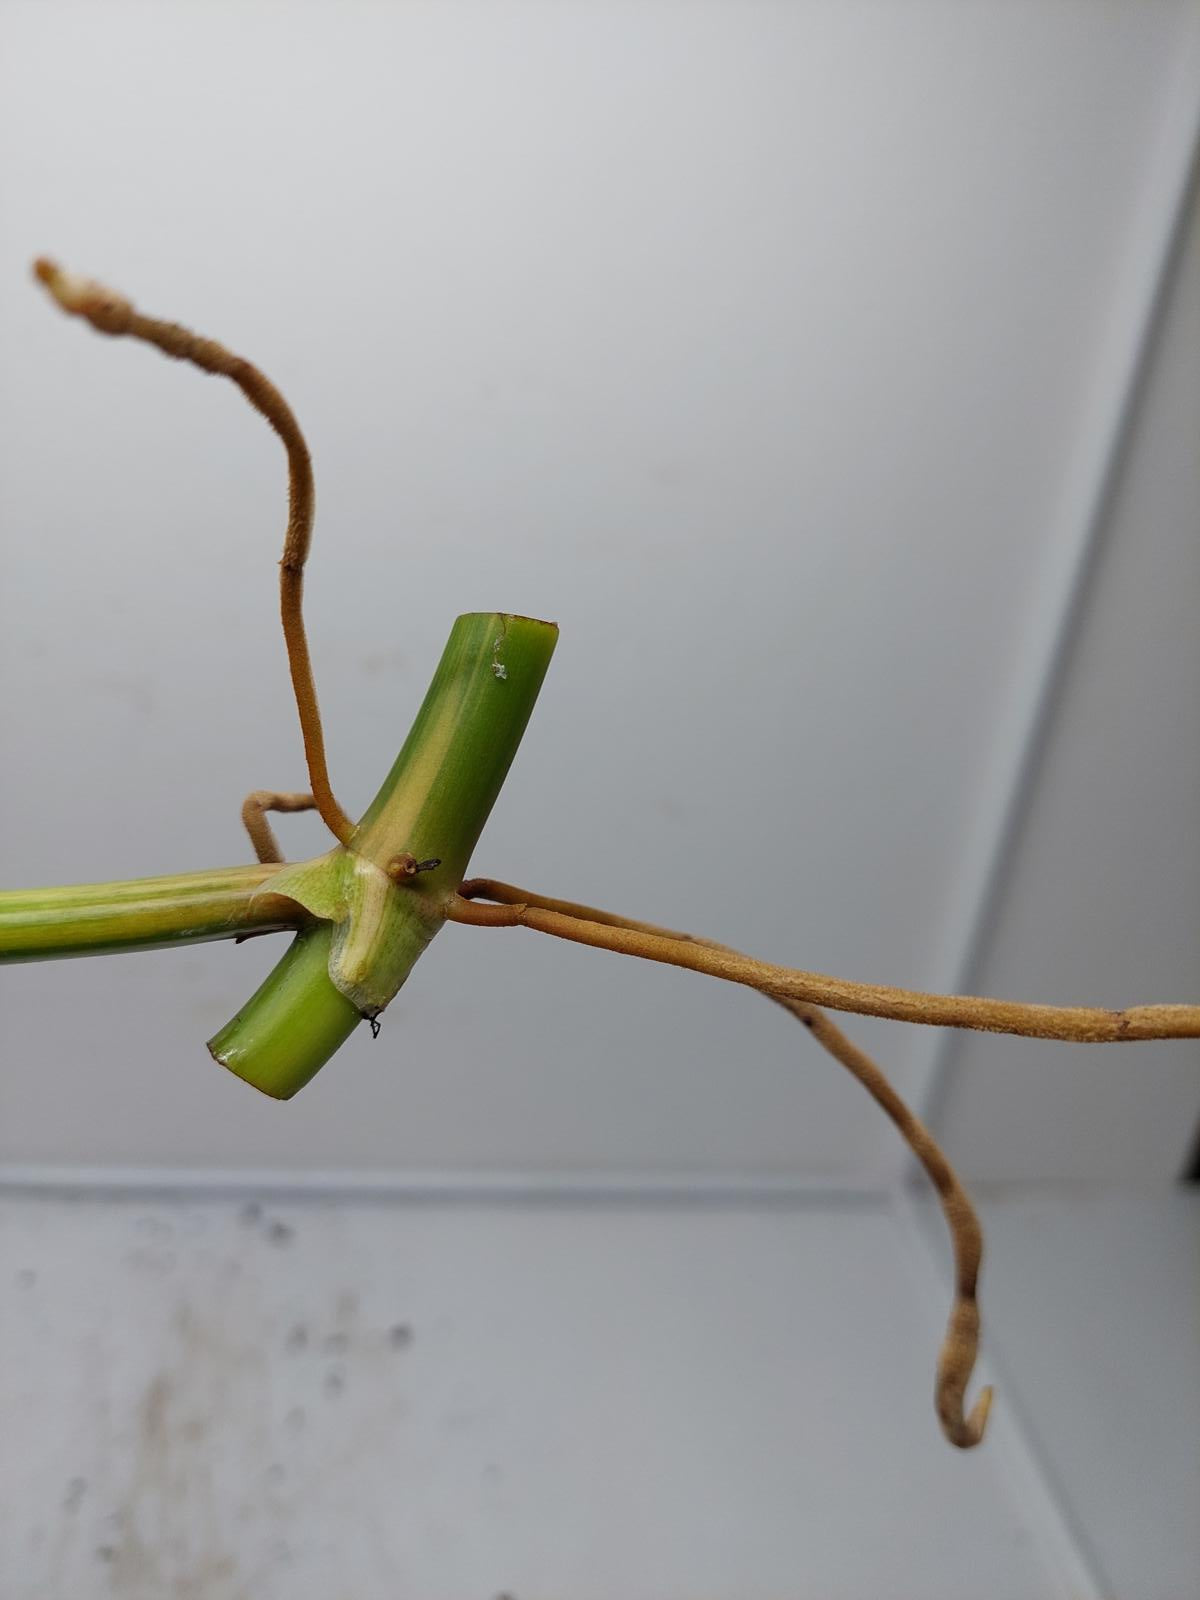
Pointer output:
x,y
960,1346
111,313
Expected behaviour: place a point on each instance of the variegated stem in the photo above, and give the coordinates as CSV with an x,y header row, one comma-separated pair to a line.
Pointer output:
x,y
84,919
376,917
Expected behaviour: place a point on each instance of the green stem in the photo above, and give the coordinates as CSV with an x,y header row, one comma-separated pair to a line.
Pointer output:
x,y
433,803
293,1022
441,789
103,918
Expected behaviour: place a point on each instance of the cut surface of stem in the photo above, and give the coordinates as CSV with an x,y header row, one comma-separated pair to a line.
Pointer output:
x,y
292,1024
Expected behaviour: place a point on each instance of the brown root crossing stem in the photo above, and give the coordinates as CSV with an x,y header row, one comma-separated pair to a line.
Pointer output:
x,y
956,1359
112,314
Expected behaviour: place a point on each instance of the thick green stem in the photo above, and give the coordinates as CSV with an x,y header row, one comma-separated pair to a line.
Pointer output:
x,y
433,804
292,1024
103,918
441,789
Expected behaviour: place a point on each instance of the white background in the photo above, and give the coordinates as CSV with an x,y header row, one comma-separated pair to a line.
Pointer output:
x,y
788,357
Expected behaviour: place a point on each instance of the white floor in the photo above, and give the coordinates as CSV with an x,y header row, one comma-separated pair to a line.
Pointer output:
x,y
211,1398
1094,1306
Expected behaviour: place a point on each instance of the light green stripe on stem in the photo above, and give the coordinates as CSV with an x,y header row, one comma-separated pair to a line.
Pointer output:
x,y
433,803
104,918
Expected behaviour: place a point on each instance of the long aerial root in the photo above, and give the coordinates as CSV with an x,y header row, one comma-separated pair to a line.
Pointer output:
x,y
112,314
585,925
956,1358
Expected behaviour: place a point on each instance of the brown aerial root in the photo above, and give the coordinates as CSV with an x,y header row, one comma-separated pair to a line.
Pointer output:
x,y
585,925
254,819
111,313
956,1359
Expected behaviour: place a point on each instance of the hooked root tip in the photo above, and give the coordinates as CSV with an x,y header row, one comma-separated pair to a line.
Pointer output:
x,y
955,1363
977,1421
967,1432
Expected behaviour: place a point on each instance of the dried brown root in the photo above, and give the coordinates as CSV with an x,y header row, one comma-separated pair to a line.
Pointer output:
x,y
111,313
254,818
956,1359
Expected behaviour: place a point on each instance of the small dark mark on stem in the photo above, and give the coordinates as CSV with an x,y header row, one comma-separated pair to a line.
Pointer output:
x,y
406,865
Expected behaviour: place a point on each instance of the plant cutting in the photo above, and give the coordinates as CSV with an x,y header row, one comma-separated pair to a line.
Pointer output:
x,y
361,914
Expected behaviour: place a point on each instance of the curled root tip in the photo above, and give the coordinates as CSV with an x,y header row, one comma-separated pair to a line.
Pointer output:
x,y
977,1421
955,1364
967,1432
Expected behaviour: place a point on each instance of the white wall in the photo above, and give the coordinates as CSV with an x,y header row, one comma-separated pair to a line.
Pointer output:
x,y
759,346
1107,839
